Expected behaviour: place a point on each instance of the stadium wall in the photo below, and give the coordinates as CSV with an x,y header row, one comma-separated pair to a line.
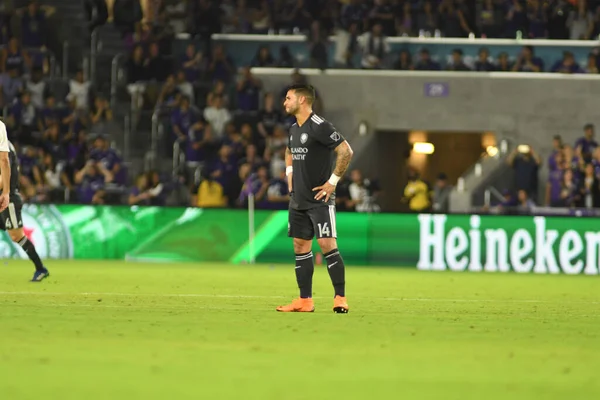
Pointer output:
x,y
524,244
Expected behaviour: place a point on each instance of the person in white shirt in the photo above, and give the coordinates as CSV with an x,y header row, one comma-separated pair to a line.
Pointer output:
x,y
374,48
79,90
217,116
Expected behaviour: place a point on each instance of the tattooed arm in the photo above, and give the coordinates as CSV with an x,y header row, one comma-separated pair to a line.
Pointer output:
x,y
344,155
288,166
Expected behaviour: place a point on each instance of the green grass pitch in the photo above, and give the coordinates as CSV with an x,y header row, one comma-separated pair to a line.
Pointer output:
x,y
115,330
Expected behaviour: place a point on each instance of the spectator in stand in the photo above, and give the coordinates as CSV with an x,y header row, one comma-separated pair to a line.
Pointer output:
x,y
262,182
555,179
525,204
182,120
107,158
91,181
191,63
14,57
205,19
139,194
260,17
526,163
137,75
217,116
224,170
248,91
359,193
425,62
218,90
263,58
158,194
383,13
74,120
11,86
286,60
199,147
516,19
527,61
426,22
126,13
342,195
580,21
100,113
37,87
404,62
220,66
567,65
139,37
536,15
268,117
453,22
248,134
53,144
251,185
295,17
276,158
483,63
208,193
570,193
490,19
346,46
96,12
159,68
441,194
404,22
55,179
29,167
503,64
234,140
169,94
50,114
587,144
23,118
596,161
592,64
34,25
374,48
590,188
177,13
317,47
457,63
278,196
79,91
184,87
252,158
557,148
354,12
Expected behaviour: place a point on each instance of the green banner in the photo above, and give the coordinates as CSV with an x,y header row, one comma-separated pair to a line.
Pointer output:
x,y
427,242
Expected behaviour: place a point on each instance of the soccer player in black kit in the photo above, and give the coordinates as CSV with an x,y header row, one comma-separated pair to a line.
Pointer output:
x,y
11,204
314,146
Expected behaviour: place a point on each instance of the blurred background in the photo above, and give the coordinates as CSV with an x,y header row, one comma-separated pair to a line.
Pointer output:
x,y
452,106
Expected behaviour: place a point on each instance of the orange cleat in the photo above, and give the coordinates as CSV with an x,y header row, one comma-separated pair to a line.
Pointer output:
x,y
340,305
298,305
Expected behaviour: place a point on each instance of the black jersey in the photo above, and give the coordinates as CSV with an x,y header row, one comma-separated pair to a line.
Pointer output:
x,y
6,146
312,146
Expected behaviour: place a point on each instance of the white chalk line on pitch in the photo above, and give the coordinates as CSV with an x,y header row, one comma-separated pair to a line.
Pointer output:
x,y
228,296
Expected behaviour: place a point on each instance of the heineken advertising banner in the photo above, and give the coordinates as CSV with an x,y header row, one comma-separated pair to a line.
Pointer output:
x,y
427,242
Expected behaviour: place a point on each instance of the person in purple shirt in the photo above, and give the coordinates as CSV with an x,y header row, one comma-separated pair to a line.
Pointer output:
x,y
191,63
278,194
29,165
91,181
11,85
224,170
33,26
252,185
528,62
557,148
108,158
139,195
248,91
567,65
555,180
199,142
182,119
587,144
425,62
220,66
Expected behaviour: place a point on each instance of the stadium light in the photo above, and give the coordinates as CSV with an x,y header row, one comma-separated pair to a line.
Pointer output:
x,y
423,148
492,151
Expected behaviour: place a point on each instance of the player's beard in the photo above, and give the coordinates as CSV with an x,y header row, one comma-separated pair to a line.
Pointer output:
x,y
292,110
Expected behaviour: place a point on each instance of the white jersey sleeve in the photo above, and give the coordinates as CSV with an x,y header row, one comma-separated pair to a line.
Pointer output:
x,y
4,147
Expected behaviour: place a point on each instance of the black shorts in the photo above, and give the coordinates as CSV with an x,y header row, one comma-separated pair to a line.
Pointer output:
x,y
318,221
11,217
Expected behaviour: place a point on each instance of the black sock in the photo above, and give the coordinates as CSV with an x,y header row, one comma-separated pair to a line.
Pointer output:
x,y
33,255
337,271
304,273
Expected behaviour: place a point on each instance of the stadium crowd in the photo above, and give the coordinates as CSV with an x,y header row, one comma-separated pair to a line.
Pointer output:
x,y
233,134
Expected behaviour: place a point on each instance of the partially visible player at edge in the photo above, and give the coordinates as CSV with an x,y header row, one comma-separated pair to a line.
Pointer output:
x,y
313,146
11,204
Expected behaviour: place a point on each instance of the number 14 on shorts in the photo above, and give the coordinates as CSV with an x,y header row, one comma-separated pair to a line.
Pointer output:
x,y
324,229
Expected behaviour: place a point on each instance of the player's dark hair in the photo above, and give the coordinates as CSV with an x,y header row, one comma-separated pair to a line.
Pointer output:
x,y
304,90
